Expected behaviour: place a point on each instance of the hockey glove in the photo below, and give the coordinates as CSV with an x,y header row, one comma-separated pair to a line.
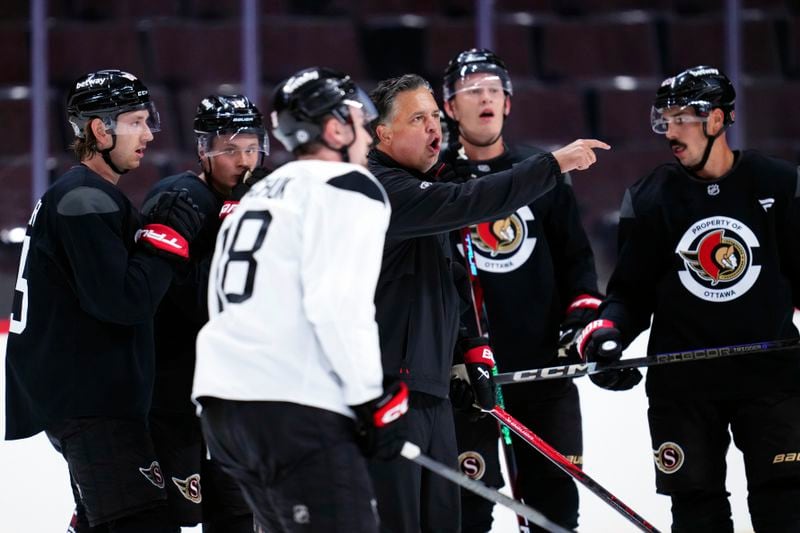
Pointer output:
x,y
580,312
249,178
477,372
172,223
381,428
601,341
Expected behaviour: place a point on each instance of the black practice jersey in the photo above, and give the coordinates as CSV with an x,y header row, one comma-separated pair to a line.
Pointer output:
x,y
531,264
184,309
81,340
715,263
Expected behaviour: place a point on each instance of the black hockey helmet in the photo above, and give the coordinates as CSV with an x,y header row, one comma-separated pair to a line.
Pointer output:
x,y
302,103
219,114
106,94
473,61
702,87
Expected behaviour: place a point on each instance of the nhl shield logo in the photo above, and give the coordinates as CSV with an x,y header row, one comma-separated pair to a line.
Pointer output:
x,y
189,488
717,253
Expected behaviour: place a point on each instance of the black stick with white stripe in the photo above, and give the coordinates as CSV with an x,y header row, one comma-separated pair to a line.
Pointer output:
x,y
412,452
584,369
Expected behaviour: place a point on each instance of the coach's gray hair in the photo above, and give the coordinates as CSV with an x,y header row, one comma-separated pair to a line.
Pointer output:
x,y
384,95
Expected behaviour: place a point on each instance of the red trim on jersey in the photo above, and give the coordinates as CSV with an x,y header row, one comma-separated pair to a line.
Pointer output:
x,y
4,325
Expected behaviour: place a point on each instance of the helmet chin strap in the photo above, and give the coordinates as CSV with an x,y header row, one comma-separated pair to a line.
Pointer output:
x,y
707,152
107,156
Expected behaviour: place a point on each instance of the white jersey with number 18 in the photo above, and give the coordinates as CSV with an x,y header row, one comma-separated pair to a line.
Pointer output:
x,y
291,291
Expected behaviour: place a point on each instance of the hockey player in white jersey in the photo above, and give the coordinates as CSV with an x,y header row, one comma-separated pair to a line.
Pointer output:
x,y
288,373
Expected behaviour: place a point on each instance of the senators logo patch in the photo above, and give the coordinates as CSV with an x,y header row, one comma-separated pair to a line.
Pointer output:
x,y
717,254
190,488
472,464
668,457
503,245
153,474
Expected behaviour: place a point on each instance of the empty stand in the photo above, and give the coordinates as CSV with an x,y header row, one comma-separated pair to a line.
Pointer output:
x,y
76,48
15,181
701,41
546,115
288,46
15,58
189,51
598,48
448,36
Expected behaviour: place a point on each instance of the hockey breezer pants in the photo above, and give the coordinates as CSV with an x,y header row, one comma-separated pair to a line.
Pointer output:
x,y
117,481
299,467
552,410
690,442
197,489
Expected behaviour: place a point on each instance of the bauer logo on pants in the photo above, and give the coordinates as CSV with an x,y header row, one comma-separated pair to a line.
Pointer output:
x,y
472,464
717,253
668,457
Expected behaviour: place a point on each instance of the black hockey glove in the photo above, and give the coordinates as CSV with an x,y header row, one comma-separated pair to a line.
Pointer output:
x,y
172,223
580,312
249,178
381,428
601,341
477,372
458,171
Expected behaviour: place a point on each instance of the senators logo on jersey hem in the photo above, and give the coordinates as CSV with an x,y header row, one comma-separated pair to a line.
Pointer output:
x,y
717,254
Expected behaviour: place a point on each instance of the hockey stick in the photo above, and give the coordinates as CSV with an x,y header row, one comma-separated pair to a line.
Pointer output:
x,y
569,468
505,434
584,369
412,452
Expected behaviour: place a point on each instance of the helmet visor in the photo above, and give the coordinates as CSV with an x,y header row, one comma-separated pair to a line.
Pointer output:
x,y
679,116
135,121
360,100
244,141
473,78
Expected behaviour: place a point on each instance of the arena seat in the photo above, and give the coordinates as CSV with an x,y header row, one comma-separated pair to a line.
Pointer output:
x,y
546,114
76,48
696,41
188,52
624,116
447,37
15,59
393,46
598,48
285,51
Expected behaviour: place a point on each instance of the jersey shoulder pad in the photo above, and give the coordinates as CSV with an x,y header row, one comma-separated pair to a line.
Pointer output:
x,y
358,182
86,200
774,175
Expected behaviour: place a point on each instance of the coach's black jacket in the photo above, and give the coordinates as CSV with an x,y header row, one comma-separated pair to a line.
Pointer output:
x,y
417,305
